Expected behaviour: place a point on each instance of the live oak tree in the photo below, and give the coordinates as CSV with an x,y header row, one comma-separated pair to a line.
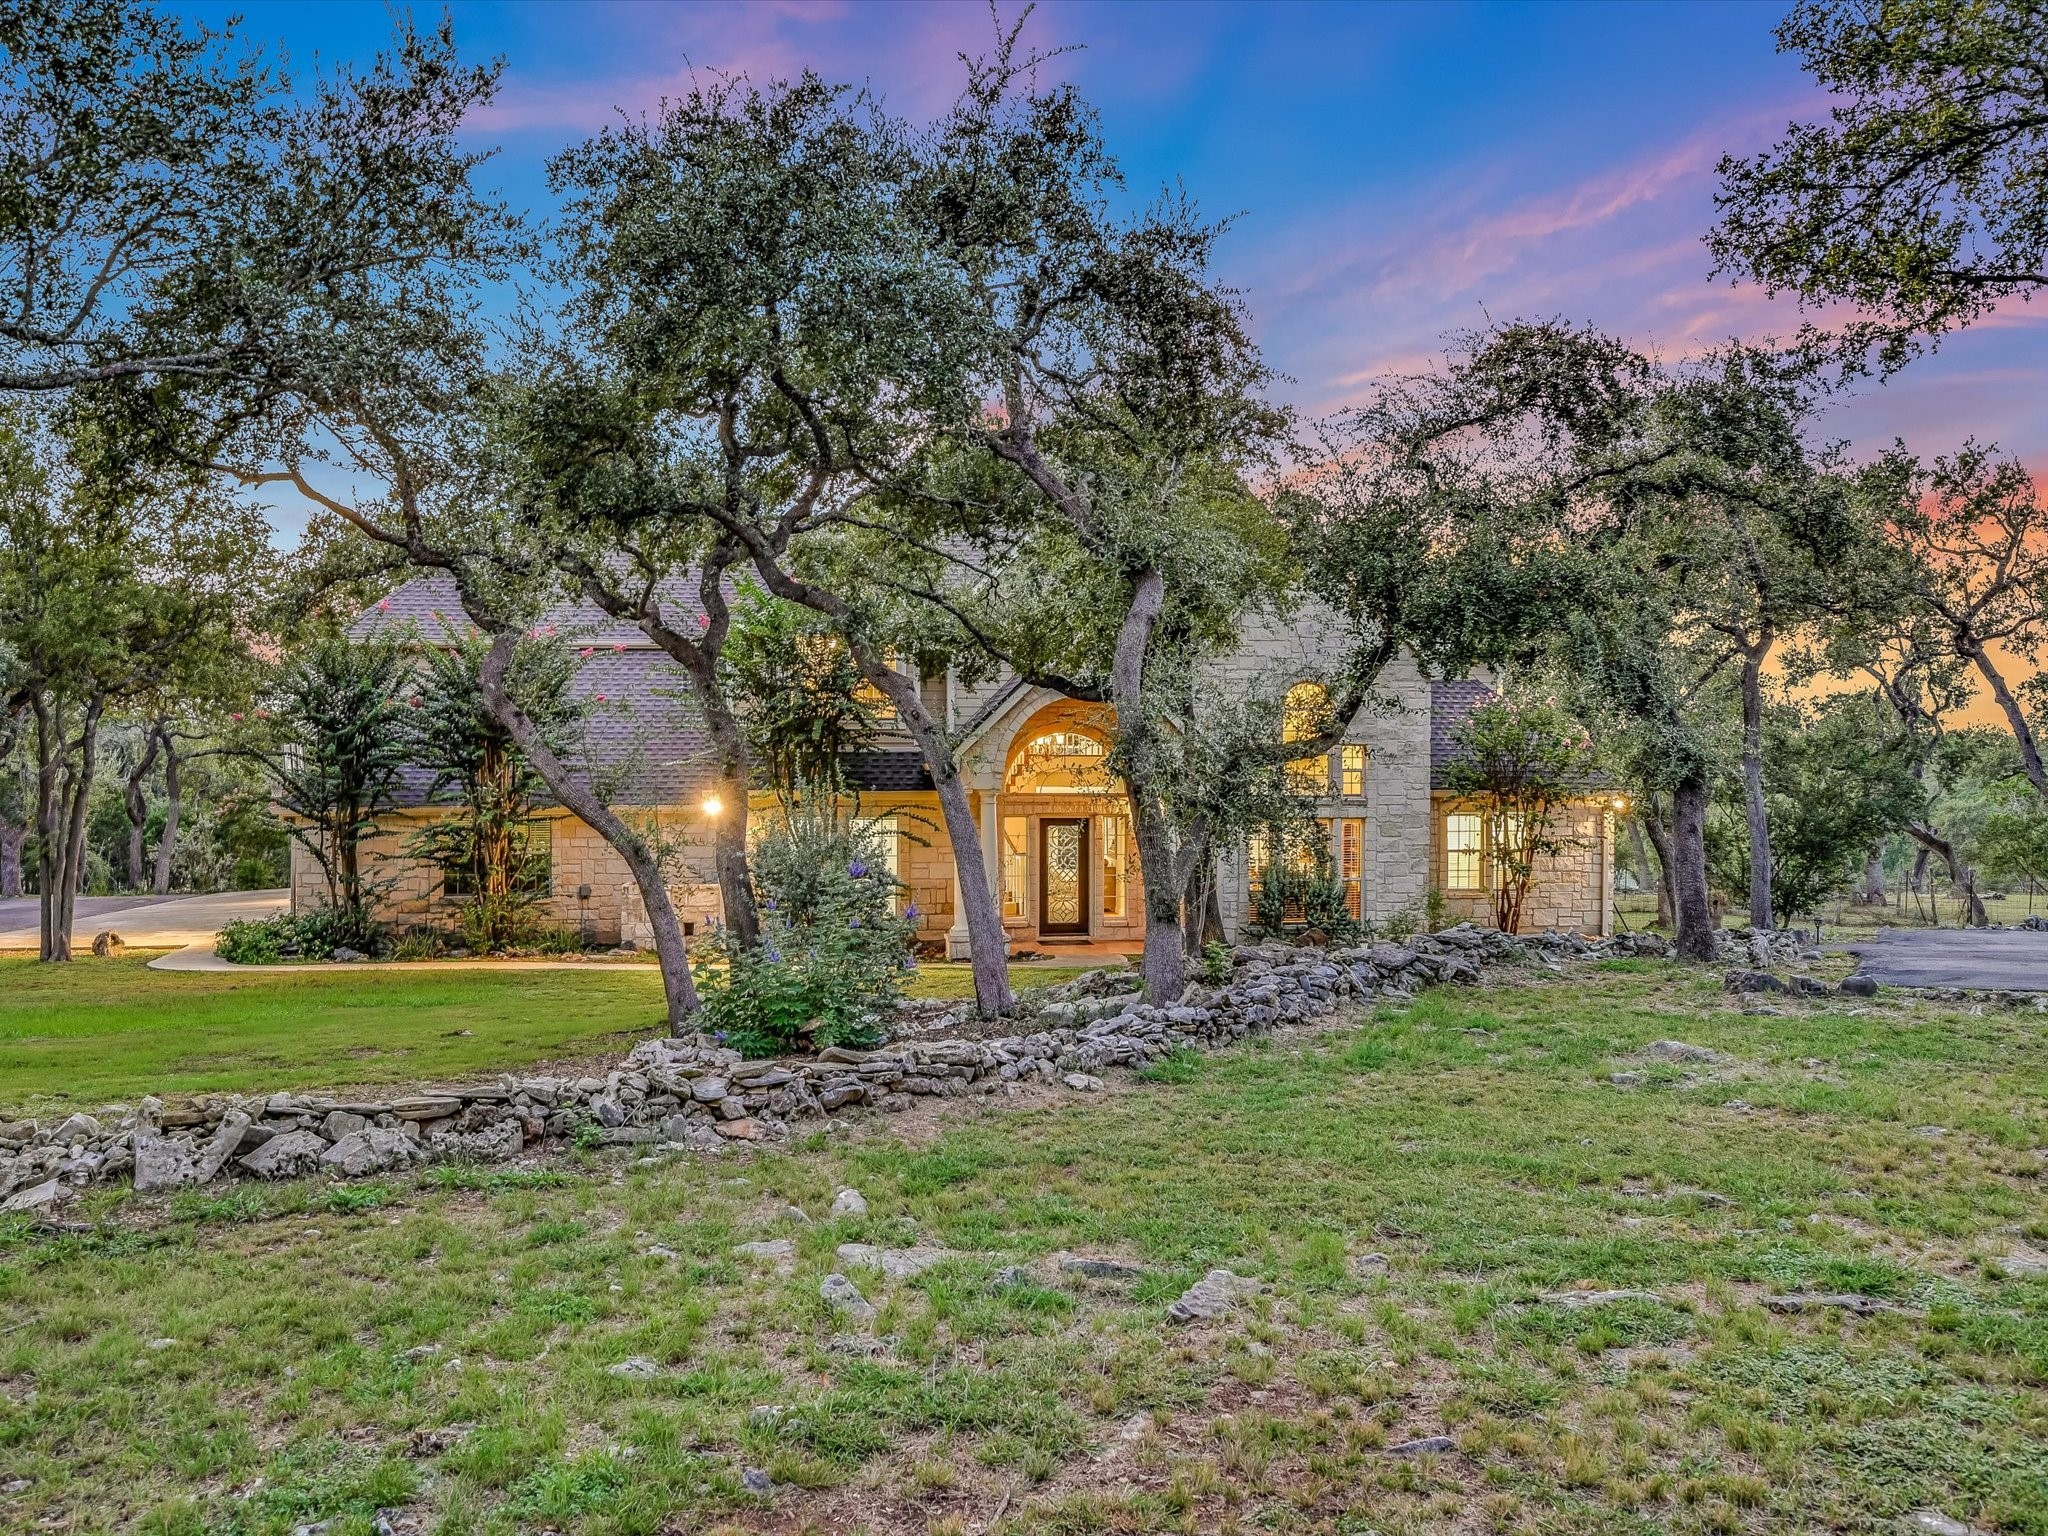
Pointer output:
x,y
1113,375
1965,552
1919,689
598,492
1760,534
1549,489
1923,201
15,796
380,371
1840,778
743,268
176,211
113,585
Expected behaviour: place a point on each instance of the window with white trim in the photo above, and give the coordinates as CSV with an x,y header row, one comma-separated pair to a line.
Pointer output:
x,y
1464,868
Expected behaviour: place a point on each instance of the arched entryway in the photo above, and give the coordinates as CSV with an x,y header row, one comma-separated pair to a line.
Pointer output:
x,y
1066,866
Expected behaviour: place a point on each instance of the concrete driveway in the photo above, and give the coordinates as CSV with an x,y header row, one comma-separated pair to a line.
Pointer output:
x,y
144,922
2006,959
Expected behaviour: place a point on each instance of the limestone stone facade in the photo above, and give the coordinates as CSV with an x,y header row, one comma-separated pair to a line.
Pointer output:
x,y
1055,840
589,888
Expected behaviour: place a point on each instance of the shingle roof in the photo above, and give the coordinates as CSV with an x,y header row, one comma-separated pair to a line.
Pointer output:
x,y
638,728
1450,701
893,771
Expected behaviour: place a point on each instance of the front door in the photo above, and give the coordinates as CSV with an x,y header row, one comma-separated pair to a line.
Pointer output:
x,y
1063,876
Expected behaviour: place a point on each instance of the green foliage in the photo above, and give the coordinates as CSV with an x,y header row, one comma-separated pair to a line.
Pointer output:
x,y
1297,887
1836,783
1520,761
799,693
491,852
1404,923
1919,203
333,737
1436,910
833,950
1215,963
313,935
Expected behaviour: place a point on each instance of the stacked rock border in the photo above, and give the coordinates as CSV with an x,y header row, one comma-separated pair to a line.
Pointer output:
x,y
673,1096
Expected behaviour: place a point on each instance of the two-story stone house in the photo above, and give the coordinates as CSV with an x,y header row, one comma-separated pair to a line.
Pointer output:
x,y
1056,842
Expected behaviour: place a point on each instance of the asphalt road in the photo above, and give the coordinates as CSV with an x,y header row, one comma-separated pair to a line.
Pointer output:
x,y
144,922
2011,959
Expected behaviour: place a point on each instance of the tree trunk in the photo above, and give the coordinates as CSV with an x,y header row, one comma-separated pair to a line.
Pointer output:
x,y
699,661
1689,870
1165,965
137,806
729,834
1873,892
1194,906
63,788
167,845
1160,863
1760,914
1212,910
1962,876
2015,717
1650,822
987,944
669,948
11,839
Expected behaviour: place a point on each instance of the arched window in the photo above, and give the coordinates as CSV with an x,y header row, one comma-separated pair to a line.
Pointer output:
x,y
1304,714
1061,763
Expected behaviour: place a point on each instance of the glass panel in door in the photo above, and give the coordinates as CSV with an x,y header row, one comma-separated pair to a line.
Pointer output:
x,y
1063,876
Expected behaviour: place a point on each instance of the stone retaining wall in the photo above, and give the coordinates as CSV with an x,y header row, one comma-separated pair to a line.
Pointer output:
x,y
694,1095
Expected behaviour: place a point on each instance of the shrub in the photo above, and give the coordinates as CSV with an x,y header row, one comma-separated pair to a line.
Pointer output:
x,y
420,943
1299,891
256,941
314,935
833,948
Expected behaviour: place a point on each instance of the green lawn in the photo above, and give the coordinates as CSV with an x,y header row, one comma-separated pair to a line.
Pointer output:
x,y
96,1031
243,1362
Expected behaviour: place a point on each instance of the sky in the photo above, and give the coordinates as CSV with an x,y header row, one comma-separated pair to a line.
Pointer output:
x,y
1396,173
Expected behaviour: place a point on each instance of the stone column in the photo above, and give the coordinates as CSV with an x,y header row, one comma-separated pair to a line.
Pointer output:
x,y
992,852
992,843
957,947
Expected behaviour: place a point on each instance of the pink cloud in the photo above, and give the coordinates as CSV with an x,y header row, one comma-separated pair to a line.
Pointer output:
x,y
914,67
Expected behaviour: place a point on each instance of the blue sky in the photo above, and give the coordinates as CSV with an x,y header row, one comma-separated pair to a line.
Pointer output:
x,y
1397,171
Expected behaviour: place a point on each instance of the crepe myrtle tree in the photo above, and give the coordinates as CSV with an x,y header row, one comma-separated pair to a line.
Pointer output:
x,y
1522,761
740,263
1920,204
